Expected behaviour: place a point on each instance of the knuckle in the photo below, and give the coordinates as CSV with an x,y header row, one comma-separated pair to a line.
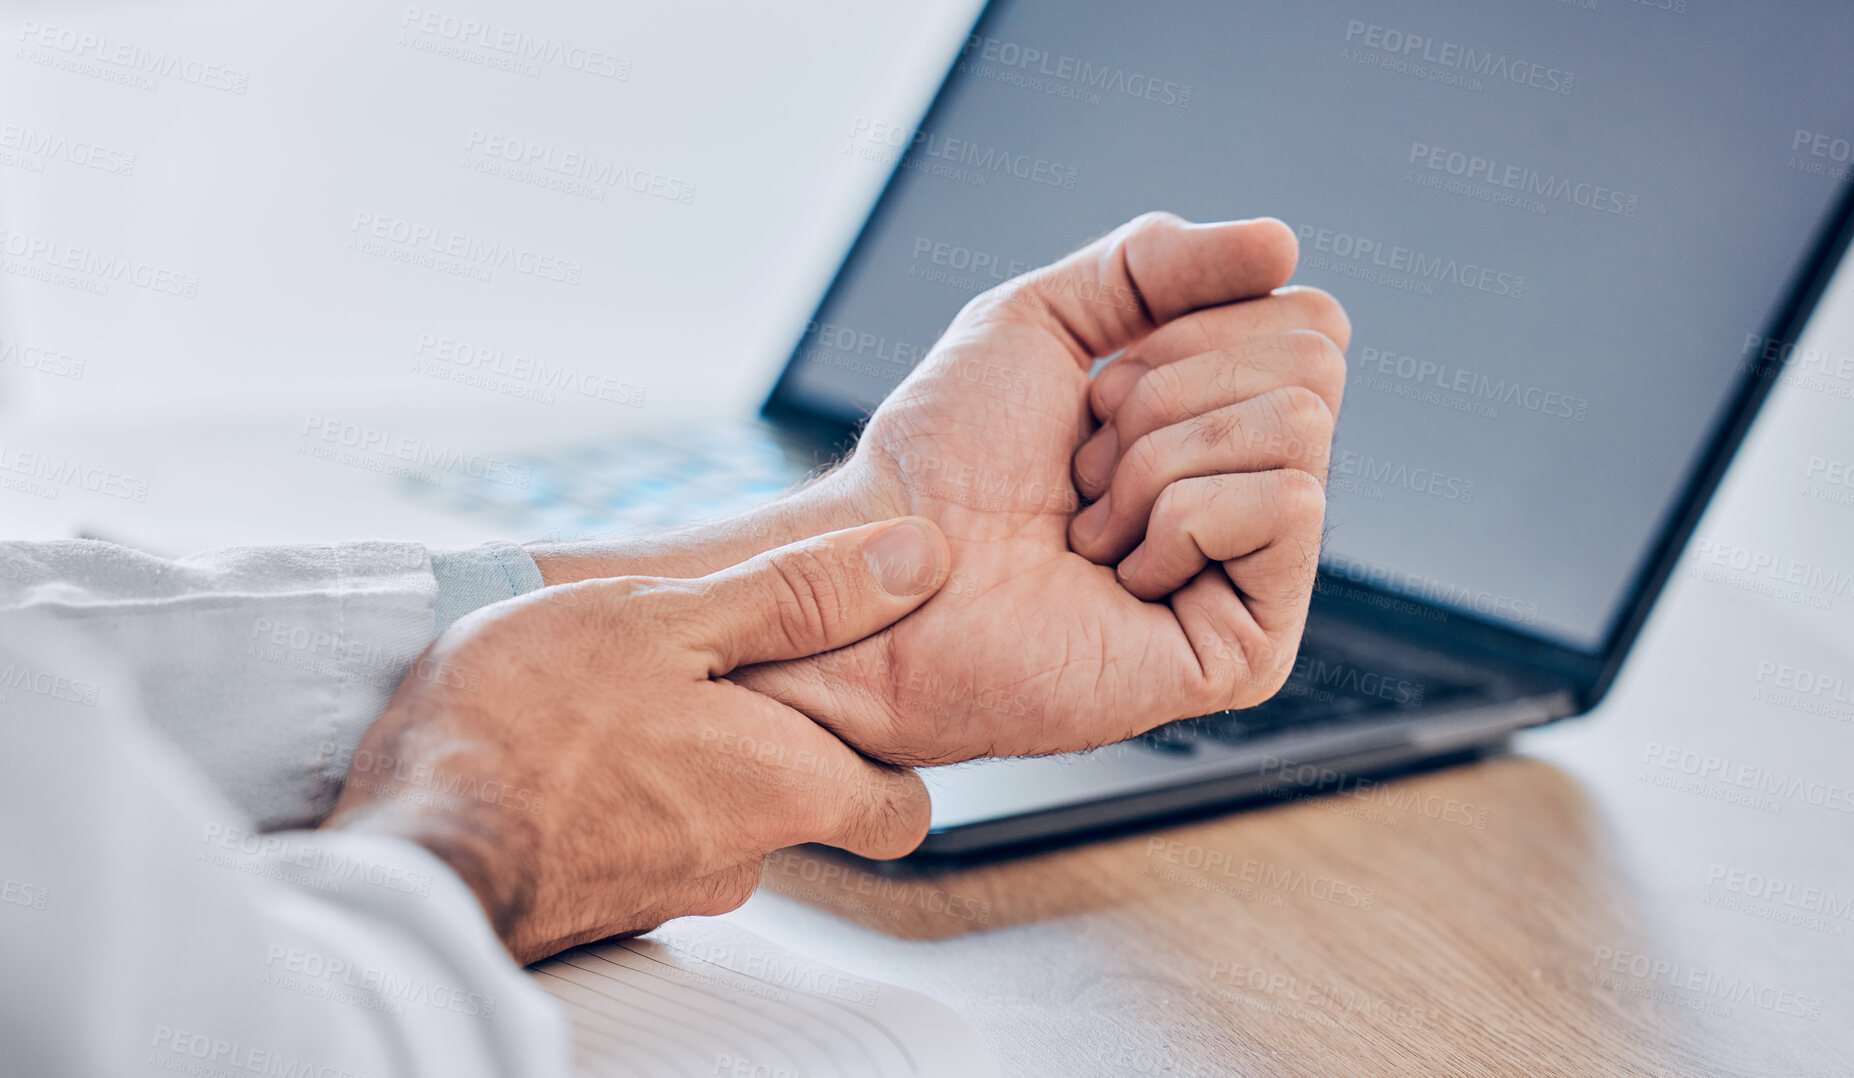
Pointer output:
x,y
1155,396
1155,219
1300,499
1301,411
1171,509
1312,351
1319,362
1319,310
1141,464
812,601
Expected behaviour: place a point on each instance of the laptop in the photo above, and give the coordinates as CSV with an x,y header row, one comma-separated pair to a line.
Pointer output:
x,y
1578,245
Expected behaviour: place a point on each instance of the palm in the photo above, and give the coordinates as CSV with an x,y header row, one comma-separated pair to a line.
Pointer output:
x,y
1030,646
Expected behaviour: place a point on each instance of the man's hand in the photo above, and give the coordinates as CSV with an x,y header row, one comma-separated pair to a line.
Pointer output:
x,y
579,757
1184,588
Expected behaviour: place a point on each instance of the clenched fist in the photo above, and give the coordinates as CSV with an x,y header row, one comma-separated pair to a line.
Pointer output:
x,y
1183,588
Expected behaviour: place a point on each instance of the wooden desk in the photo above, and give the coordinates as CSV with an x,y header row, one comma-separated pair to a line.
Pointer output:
x,y
1568,910
1586,906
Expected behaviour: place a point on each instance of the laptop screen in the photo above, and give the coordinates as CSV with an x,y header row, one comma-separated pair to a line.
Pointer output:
x,y
1559,228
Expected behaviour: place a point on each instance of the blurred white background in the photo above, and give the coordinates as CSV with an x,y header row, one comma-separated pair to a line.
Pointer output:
x,y
243,151
357,108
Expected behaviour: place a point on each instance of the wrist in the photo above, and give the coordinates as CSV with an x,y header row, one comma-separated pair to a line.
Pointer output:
x,y
490,848
854,493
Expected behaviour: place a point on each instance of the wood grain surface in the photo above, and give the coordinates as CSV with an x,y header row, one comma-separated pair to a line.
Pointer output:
x,y
1665,887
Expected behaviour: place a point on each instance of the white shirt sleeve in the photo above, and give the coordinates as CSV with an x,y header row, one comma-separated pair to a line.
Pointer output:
x,y
264,665
149,926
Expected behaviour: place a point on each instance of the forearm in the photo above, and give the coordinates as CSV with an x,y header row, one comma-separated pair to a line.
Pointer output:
x,y
841,498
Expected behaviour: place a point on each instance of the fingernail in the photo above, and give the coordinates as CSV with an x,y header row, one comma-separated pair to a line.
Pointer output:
x,y
904,557
1093,520
1095,462
1130,564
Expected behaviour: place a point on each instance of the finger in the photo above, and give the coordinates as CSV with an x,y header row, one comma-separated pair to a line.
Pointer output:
x,y
1175,392
1151,270
814,788
1234,324
1289,427
1243,618
819,594
1213,518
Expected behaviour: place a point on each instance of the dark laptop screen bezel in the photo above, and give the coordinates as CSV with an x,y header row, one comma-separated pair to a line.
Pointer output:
x,y
1589,673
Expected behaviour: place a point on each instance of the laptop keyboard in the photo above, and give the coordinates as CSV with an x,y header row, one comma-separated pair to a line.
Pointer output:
x,y
1328,687
703,471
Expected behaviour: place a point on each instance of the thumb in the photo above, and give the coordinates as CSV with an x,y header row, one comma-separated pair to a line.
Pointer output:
x,y
820,594
1151,270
